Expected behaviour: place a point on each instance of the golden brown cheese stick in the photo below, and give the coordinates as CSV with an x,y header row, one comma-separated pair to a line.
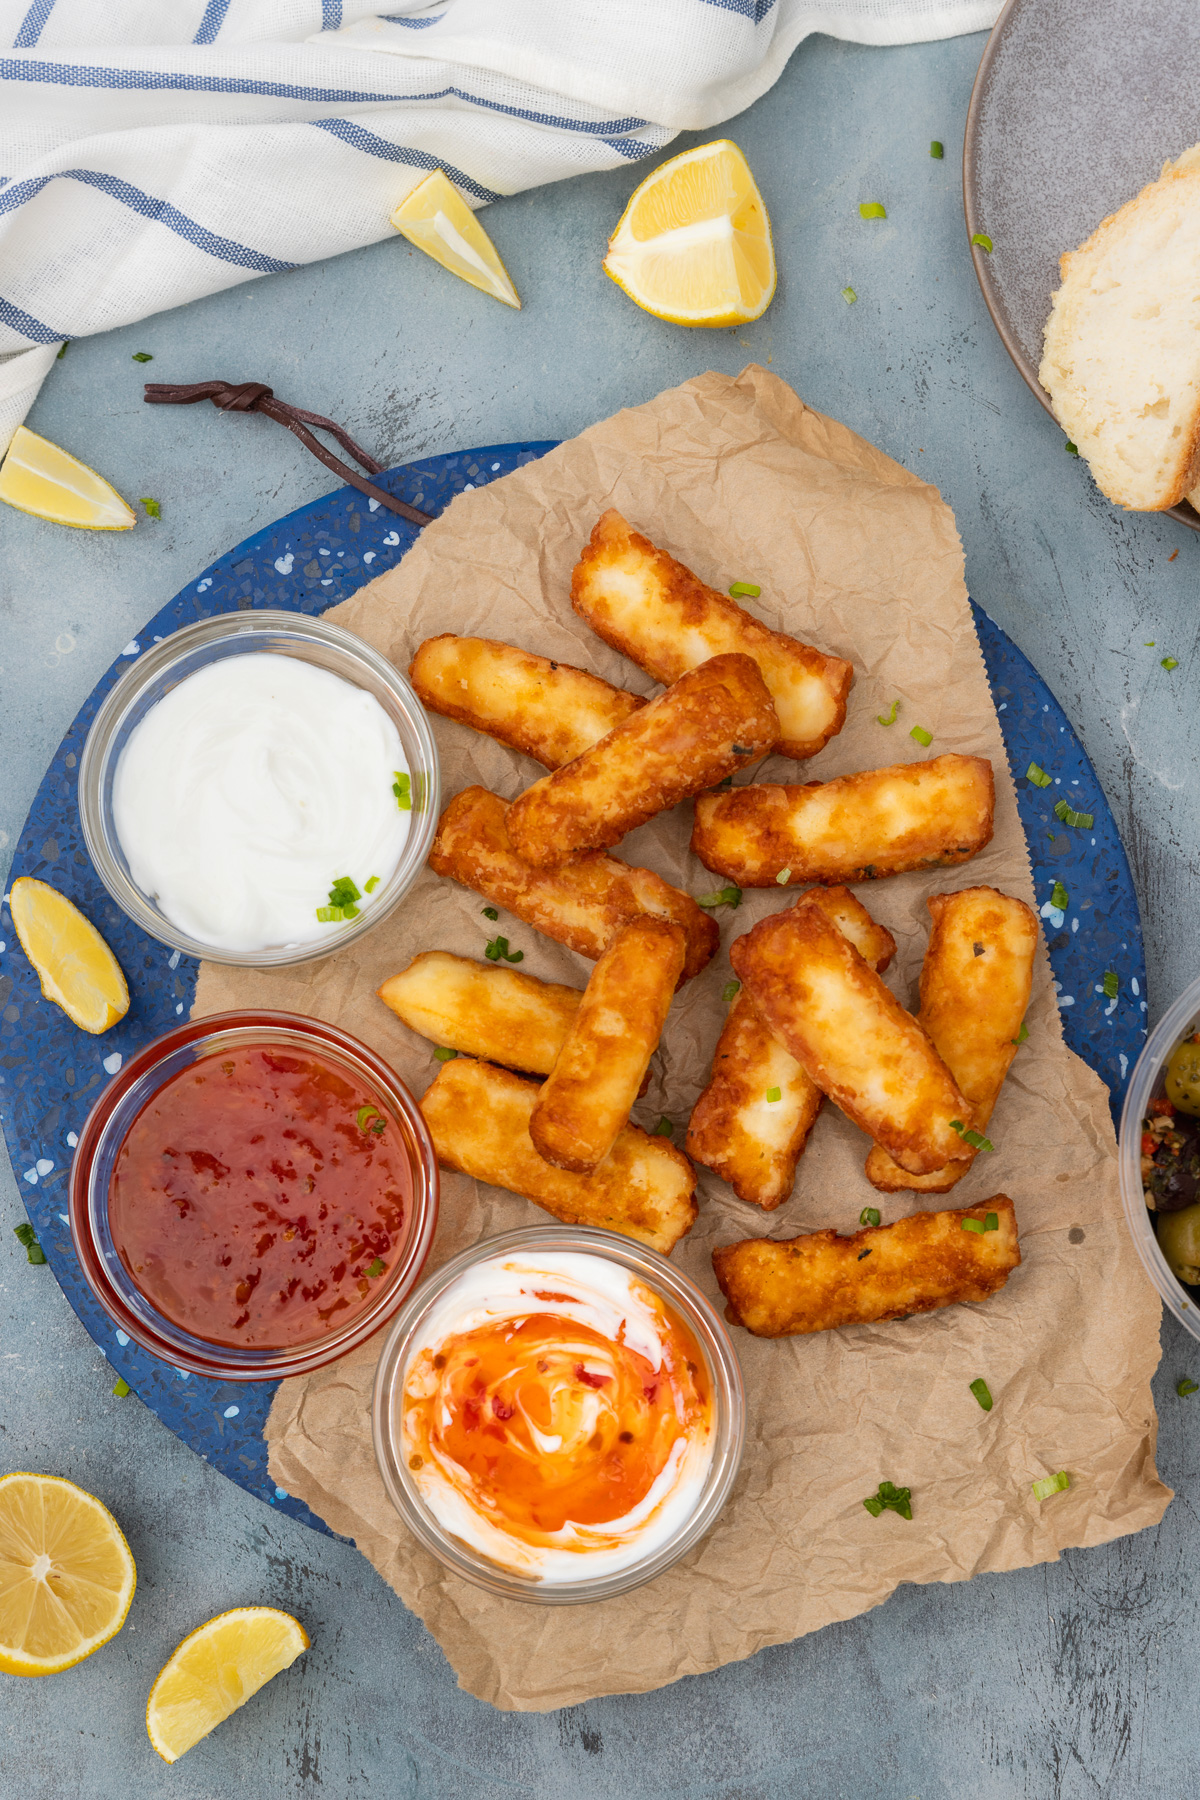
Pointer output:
x,y
713,721
659,615
498,1014
975,986
816,993
582,905
549,710
855,828
754,1143
608,1046
478,1117
816,1283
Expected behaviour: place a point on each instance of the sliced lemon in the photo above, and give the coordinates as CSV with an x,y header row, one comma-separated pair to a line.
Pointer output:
x,y
77,969
437,219
215,1670
66,1574
694,244
38,477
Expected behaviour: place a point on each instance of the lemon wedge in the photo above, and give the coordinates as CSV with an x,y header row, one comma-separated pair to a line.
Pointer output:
x,y
66,1574
437,219
215,1670
76,968
37,477
694,244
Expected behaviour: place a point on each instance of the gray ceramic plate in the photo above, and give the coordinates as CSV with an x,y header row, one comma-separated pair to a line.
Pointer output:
x,y
1077,104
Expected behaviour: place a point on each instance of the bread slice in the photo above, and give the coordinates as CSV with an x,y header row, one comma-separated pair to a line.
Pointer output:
x,y
1122,350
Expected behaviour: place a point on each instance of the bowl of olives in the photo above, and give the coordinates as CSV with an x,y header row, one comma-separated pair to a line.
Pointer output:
x,y
1160,1158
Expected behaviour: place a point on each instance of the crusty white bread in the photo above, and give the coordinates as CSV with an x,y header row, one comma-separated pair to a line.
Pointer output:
x,y
1122,349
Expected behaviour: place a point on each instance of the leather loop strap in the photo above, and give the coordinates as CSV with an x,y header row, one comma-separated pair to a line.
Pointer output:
x,y
255,396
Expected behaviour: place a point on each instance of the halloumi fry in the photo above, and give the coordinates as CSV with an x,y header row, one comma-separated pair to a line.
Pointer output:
x,y
816,993
498,1014
753,1142
608,1046
549,710
855,828
713,721
975,986
583,905
478,1117
659,615
816,1283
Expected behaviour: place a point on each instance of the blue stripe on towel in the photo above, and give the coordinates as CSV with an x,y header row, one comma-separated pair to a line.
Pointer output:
x,y
30,28
27,325
331,15
366,141
211,23
412,24
755,10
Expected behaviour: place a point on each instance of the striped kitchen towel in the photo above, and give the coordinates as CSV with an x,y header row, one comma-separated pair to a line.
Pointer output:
x,y
153,151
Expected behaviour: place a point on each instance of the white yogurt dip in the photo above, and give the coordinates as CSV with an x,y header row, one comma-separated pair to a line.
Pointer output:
x,y
252,787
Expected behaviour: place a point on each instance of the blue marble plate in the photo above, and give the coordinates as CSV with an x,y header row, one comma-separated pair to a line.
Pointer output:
x,y
50,1072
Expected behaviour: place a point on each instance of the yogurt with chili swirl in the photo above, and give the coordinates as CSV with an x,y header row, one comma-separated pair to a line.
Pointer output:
x,y
557,1415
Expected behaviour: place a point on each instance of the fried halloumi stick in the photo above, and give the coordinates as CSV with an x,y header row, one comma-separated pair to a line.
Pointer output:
x,y
583,905
478,1117
608,1046
855,828
975,986
752,1142
549,710
498,1014
816,993
818,1282
659,615
713,721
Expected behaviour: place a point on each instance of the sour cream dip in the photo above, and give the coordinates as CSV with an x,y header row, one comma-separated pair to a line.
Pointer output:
x,y
557,1415
253,787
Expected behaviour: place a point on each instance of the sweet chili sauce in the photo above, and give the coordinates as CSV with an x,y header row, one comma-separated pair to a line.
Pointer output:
x,y
259,1198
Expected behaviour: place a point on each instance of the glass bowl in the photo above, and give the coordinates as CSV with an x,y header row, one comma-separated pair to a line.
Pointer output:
x,y
681,1295
108,1125
1178,1022
161,668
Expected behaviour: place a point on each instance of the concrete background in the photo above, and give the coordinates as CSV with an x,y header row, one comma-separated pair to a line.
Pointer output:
x,y
1075,1680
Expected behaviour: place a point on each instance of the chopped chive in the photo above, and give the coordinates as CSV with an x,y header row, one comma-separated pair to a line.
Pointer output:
x,y
1081,820
1053,1484
1169,663
849,296
1111,984
990,1223
343,892
745,590
376,1268
489,912
892,716
975,1138
730,991
364,1115
349,912
1021,1035
726,896
141,356
664,1128
983,240
1185,1386
327,914
871,209
783,877
445,1055
26,1235
153,509
975,1225
921,736
1060,897
774,1094
1151,644
1037,775
891,1499
726,783
121,1387
1070,448
981,1392
402,788
937,150
870,1215
378,1128
498,948
62,352
371,885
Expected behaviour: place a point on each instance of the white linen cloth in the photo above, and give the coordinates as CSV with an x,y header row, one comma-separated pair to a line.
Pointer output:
x,y
152,151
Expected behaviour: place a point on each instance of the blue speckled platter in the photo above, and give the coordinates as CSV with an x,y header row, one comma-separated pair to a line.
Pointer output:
x,y
50,1072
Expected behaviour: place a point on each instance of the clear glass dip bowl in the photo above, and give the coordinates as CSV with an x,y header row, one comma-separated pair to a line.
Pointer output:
x,y
157,670
110,1120
681,1295
1147,1081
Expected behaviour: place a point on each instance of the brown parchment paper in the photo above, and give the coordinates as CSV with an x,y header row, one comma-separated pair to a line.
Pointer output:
x,y
853,553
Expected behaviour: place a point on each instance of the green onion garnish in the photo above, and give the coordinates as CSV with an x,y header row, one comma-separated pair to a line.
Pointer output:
x,y
153,509
1037,775
937,150
28,1236
849,296
121,1387
976,1139
1111,984
745,590
343,893
980,1390
1060,897
363,1114
376,1268
891,1499
1070,448
1083,821
489,912
141,356
891,718
870,1215
783,877
1151,643
62,352
402,788
871,209
726,896
445,1055
921,736
1170,662
1021,1035
983,240
498,948
774,1094
664,1128
730,991
327,914
1053,1484
990,1223
371,885
1185,1386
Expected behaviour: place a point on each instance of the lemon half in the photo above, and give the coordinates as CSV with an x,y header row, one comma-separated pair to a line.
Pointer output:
x,y
37,477
437,219
76,968
694,244
215,1670
66,1574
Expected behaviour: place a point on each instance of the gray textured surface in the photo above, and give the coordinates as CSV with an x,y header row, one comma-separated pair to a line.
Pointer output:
x,y
1069,1681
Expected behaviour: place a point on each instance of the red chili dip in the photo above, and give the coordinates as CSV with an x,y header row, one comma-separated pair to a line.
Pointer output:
x,y
259,1198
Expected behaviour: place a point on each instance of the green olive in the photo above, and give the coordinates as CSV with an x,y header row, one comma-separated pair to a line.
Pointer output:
x,y
1183,1078
1179,1241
